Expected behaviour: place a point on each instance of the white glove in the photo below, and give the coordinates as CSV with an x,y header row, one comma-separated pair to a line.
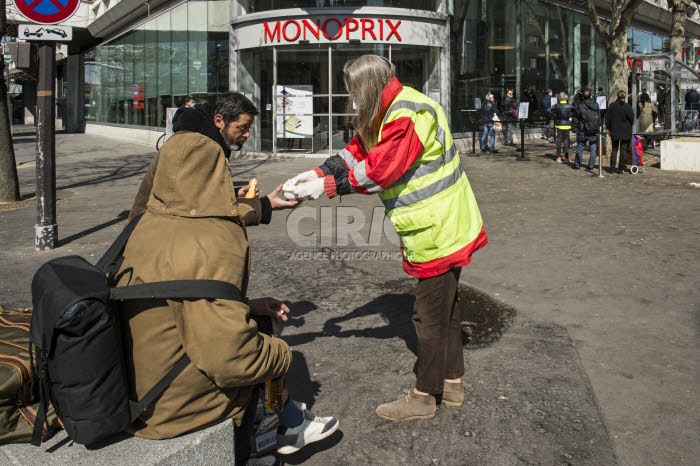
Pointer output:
x,y
299,179
310,190
289,185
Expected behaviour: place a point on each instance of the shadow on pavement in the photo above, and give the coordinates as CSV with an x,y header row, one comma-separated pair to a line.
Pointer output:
x,y
120,218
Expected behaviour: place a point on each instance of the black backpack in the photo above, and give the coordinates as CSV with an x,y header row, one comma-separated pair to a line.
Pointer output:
x,y
591,121
75,329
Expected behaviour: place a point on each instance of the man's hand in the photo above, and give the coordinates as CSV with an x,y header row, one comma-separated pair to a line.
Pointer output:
x,y
270,307
242,191
310,190
277,203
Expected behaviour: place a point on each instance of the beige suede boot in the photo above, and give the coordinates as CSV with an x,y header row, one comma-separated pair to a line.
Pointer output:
x,y
408,406
453,394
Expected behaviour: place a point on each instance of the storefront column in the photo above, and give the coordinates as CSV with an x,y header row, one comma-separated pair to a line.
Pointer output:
x,y
74,110
445,78
576,56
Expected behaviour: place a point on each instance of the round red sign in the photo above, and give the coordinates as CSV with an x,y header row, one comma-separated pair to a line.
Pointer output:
x,y
47,11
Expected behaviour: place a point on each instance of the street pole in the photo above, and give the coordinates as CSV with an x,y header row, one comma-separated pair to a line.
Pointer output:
x,y
46,229
522,157
599,149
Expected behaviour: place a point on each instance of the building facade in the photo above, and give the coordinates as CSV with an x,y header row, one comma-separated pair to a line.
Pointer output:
x,y
288,56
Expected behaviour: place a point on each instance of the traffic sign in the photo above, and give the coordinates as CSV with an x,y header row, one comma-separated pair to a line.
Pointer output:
x,y
47,11
38,32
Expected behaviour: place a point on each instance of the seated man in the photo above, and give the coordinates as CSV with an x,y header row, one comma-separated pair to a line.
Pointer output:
x,y
192,229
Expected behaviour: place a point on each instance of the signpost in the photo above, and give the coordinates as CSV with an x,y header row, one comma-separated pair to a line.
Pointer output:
x,y
39,32
47,13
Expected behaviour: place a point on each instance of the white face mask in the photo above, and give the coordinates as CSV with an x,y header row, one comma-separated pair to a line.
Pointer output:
x,y
354,105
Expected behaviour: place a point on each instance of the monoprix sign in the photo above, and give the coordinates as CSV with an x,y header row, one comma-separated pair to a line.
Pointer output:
x,y
47,11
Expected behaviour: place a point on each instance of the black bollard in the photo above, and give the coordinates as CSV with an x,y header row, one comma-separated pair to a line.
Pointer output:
x,y
522,156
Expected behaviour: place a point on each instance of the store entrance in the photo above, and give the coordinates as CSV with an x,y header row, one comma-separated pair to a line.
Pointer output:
x,y
302,88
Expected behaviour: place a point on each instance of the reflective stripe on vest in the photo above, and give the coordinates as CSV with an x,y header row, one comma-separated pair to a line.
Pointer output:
x,y
431,206
348,158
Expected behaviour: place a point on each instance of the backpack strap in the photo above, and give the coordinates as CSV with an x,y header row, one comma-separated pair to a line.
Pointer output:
x,y
178,289
173,289
137,408
107,262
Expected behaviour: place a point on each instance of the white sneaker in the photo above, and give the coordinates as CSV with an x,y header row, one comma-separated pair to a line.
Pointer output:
x,y
311,430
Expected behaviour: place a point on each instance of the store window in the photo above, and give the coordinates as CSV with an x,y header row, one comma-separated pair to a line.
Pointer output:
x,y
304,109
134,78
528,46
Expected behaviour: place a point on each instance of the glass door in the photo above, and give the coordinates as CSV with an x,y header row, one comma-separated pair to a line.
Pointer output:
x,y
304,98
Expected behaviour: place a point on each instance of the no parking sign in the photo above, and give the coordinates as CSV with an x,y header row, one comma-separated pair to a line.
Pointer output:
x,y
47,11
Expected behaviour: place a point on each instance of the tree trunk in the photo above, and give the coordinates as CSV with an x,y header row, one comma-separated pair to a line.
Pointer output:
x,y
678,8
9,183
618,71
614,38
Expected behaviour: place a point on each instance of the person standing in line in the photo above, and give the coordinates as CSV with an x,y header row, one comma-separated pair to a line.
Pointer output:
x,y
645,94
187,105
587,131
646,114
619,120
404,152
546,105
692,99
561,114
509,119
488,135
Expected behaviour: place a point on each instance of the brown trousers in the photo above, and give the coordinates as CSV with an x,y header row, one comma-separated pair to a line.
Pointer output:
x,y
437,319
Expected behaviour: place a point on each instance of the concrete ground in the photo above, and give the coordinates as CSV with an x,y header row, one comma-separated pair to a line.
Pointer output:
x,y
599,365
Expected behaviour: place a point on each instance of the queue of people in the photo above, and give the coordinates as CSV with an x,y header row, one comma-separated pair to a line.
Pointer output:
x,y
582,114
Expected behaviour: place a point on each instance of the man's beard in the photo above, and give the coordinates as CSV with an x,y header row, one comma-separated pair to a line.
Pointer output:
x,y
232,144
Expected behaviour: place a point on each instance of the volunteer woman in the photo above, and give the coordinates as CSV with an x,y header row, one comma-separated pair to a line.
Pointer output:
x,y
403,151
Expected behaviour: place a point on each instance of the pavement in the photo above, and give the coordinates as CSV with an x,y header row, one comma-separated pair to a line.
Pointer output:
x,y
584,304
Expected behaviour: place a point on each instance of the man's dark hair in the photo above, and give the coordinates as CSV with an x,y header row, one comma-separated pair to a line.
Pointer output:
x,y
586,94
230,105
188,98
621,95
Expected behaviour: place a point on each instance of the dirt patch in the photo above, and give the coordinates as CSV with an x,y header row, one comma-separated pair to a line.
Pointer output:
x,y
484,320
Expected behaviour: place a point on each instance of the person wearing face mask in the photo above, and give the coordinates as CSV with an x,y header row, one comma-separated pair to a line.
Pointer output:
x,y
188,105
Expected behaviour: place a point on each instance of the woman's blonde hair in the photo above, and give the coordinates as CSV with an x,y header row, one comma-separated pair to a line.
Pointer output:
x,y
365,78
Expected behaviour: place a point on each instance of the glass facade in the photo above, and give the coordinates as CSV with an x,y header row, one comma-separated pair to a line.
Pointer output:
x,y
134,78
254,6
317,71
526,45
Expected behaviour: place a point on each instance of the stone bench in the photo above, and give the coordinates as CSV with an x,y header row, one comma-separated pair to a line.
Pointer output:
x,y
681,154
214,445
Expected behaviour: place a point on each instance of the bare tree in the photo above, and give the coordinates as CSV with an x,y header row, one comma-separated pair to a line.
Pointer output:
x,y
614,38
9,183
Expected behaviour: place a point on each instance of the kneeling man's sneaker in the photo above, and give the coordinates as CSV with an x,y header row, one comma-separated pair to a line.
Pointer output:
x,y
408,406
311,430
